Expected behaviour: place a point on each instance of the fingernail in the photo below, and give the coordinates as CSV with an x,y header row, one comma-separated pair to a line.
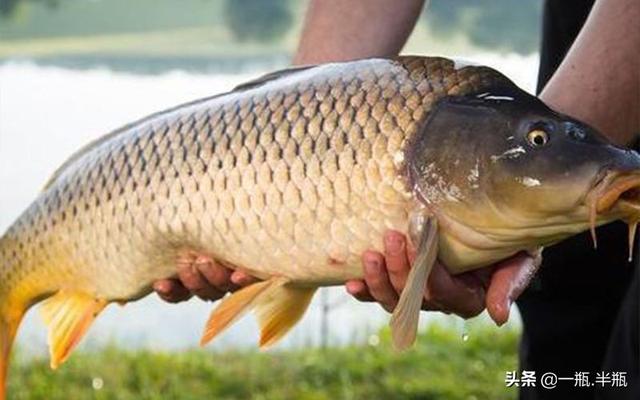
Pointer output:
x,y
394,243
161,287
353,287
240,278
372,265
201,264
507,313
237,279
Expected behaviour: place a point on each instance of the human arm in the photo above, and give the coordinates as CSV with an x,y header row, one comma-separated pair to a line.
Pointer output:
x,y
337,30
599,80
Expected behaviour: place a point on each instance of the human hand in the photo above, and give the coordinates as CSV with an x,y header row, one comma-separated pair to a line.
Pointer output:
x,y
467,295
202,277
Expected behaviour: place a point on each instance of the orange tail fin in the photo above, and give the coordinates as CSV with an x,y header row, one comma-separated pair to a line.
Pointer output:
x,y
9,322
68,316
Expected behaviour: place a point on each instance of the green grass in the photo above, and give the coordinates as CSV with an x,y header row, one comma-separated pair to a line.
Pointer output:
x,y
441,366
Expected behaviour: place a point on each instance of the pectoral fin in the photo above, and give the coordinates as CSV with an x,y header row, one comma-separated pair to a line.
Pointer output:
x,y
404,321
278,307
68,315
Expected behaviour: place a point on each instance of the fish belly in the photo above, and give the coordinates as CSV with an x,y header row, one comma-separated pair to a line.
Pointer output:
x,y
312,235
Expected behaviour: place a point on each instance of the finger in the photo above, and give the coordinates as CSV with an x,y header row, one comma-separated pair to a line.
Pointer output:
x,y
377,280
396,260
196,283
359,290
510,278
171,290
216,275
463,295
242,279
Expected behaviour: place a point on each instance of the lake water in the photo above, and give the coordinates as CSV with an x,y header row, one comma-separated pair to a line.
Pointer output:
x,y
46,113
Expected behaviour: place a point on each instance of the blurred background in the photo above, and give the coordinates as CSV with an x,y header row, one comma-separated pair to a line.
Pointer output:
x,y
72,70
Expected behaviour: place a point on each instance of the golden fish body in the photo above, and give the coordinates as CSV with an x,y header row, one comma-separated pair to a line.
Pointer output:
x,y
289,177
295,176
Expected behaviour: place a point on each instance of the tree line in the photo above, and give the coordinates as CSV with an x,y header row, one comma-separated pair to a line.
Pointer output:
x,y
495,24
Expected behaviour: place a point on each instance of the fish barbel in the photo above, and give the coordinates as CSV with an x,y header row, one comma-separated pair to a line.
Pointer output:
x,y
291,177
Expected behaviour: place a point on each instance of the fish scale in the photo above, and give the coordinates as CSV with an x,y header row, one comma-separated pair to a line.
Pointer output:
x,y
276,179
291,176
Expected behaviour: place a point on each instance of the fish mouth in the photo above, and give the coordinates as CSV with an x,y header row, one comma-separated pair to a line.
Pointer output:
x,y
620,191
616,194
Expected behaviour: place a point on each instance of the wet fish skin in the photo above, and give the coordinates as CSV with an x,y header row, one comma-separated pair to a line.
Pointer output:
x,y
281,179
292,175
290,178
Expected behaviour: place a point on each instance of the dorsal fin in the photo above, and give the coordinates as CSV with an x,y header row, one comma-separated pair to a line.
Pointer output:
x,y
270,77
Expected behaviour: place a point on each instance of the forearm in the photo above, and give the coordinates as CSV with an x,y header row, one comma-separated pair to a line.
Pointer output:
x,y
338,30
599,79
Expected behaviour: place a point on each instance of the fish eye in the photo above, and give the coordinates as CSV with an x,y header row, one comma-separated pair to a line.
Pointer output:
x,y
537,137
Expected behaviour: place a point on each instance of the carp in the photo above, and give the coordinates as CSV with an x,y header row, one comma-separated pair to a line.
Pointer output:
x,y
292,176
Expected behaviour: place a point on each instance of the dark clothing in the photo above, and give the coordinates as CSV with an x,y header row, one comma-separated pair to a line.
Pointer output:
x,y
575,315
561,23
623,353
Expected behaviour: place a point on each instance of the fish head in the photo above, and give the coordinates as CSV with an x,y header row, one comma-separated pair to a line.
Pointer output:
x,y
505,173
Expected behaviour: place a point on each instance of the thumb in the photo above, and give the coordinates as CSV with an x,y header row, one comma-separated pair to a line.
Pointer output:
x,y
509,279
